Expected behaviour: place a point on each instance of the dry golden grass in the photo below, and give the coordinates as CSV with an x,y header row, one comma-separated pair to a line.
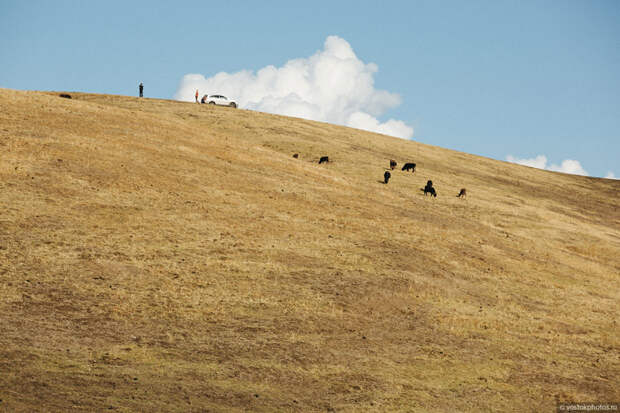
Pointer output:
x,y
166,256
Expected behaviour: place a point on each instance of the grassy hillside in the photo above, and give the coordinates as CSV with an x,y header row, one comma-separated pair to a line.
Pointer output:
x,y
167,256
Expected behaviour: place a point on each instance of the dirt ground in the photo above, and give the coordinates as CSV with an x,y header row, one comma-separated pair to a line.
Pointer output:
x,y
174,257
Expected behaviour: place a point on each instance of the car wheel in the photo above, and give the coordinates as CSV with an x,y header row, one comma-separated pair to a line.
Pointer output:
x,y
211,103
233,105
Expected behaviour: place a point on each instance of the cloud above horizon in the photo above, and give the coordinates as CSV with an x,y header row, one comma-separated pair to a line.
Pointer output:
x,y
568,166
333,85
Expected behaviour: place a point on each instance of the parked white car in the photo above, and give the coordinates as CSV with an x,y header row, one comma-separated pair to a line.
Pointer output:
x,y
218,100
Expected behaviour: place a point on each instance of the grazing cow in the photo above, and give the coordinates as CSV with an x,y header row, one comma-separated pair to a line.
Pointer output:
x,y
428,189
65,95
392,164
386,177
409,166
462,194
296,155
323,159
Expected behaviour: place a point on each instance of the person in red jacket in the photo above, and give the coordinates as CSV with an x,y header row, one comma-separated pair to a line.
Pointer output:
x,y
196,95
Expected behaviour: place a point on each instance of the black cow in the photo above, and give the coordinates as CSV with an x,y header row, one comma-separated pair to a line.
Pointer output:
x,y
296,155
428,189
409,166
386,177
65,95
323,159
392,164
462,194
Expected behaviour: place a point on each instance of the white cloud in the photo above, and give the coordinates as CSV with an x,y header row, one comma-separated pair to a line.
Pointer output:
x,y
333,85
610,175
568,166
538,162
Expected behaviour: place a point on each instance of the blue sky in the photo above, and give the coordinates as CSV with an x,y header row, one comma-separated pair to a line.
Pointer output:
x,y
493,78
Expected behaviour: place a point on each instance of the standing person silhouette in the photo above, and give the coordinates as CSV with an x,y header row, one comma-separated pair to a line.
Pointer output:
x,y
141,89
196,95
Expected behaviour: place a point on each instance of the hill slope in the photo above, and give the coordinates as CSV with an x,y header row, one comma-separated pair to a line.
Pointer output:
x,y
167,256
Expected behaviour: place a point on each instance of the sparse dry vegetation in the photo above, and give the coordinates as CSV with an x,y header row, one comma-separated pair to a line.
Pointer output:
x,y
166,256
